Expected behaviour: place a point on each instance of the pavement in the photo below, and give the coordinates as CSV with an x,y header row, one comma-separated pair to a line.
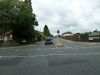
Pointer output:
x,y
73,58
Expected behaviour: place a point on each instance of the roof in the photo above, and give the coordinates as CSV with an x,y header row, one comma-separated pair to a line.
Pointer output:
x,y
67,35
94,34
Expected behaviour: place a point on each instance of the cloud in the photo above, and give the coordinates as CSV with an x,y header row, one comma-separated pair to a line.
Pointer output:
x,y
67,15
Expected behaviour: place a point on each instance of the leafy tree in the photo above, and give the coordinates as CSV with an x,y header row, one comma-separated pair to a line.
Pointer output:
x,y
38,36
68,32
46,31
7,14
58,32
23,30
17,16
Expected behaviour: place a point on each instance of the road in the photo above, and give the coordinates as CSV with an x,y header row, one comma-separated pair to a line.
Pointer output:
x,y
73,58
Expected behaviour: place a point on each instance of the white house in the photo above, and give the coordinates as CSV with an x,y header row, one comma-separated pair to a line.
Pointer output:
x,y
94,36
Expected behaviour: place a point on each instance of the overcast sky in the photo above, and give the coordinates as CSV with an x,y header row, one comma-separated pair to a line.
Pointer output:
x,y
67,15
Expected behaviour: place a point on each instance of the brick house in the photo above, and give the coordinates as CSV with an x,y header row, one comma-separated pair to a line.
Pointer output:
x,y
67,36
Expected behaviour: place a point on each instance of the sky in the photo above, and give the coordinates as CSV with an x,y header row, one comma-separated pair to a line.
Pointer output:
x,y
67,15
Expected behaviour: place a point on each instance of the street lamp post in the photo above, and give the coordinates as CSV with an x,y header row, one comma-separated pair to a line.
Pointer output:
x,y
58,32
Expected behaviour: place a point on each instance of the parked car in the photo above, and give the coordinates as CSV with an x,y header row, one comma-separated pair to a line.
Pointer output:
x,y
48,40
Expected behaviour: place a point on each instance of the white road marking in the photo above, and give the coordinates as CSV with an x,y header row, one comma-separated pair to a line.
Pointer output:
x,y
51,55
69,47
77,54
53,48
16,50
13,47
94,46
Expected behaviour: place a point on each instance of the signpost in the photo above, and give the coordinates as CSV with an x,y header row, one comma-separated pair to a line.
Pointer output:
x,y
58,32
58,42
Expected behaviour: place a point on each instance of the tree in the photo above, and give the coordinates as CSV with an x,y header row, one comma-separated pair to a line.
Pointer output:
x,y
46,31
68,32
58,32
38,36
24,29
17,16
7,14
95,30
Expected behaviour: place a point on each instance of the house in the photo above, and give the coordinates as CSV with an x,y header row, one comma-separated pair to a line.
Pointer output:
x,y
1,37
67,36
94,36
6,36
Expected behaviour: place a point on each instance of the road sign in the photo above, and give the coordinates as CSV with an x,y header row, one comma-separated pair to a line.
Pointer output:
x,y
58,43
58,31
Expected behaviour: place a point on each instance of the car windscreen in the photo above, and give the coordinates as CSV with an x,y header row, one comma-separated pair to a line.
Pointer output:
x,y
48,39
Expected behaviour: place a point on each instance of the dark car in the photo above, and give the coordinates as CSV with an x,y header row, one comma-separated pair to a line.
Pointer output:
x,y
48,40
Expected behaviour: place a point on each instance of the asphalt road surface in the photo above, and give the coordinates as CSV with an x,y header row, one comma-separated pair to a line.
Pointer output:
x,y
73,58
